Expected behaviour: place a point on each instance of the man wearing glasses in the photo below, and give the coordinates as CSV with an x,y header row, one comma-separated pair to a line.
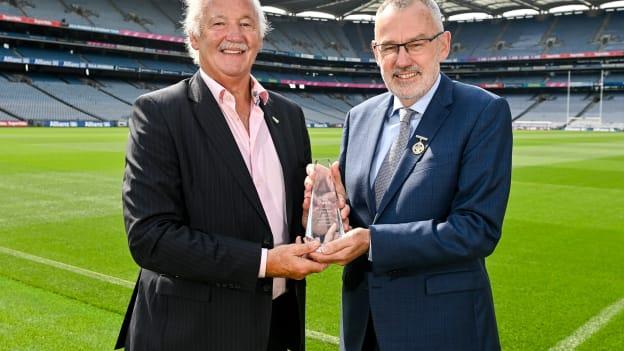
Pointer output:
x,y
426,169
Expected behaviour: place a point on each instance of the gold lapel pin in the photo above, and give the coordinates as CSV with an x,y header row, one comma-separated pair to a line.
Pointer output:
x,y
420,146
275,119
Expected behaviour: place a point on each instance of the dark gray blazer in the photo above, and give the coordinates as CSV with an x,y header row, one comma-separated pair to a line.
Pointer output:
x,y
196,226
427,287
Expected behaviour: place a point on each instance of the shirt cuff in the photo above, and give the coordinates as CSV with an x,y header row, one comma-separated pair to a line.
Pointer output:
x,y
370,251
263,262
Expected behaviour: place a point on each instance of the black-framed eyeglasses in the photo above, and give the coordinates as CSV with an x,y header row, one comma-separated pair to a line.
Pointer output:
x,y
415,46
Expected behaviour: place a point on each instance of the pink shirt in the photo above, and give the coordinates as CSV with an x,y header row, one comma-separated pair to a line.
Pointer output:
x,y
258,151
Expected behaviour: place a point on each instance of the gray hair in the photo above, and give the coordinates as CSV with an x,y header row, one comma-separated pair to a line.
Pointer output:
x,y
193,16
436,14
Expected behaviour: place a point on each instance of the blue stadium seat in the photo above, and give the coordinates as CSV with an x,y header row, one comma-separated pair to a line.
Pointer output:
x,y
29,103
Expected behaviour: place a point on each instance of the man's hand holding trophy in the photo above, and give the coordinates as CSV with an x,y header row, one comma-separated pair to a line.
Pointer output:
x,y
326,217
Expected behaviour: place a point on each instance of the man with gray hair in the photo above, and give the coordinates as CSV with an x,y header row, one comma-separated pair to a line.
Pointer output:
x,y
212,186
427,169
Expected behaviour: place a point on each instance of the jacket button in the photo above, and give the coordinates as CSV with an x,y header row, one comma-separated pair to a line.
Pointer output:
x,y
267,288
266,242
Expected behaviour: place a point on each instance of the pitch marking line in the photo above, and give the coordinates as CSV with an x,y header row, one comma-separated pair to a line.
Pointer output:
x,y
326,338
591,327
330,339
70,268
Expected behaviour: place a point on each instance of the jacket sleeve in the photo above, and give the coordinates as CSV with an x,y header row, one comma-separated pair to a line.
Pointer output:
x,y
473,226
155,217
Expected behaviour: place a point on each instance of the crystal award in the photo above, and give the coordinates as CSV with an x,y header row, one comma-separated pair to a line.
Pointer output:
x,y
324,220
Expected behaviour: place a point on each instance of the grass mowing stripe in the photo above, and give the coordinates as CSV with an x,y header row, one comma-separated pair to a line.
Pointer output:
x,y
28,314
591,327
550,231
330,339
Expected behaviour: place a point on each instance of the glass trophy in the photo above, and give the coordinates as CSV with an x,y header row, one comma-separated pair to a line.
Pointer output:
x,y
324,220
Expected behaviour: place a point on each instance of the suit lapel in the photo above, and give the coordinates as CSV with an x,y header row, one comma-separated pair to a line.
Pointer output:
x,y
277,126
377,120
209,116
433,118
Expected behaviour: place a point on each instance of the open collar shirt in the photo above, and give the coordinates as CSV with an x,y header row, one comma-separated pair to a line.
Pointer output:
x,y
258,151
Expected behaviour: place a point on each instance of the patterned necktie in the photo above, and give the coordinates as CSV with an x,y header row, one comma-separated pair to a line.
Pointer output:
x,y
390,162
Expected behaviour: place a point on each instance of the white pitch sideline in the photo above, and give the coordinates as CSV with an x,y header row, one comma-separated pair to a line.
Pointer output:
x,y
66,267
590,328
330,339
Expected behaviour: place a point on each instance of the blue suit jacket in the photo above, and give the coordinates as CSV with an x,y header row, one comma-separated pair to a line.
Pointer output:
x,y
427,287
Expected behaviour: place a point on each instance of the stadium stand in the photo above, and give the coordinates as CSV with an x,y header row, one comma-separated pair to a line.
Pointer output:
x,y
614,78
114,60
83,97
612,38
105,14
8,52
122,90
78,80
572,34
542,34
47,54
6,8
167,65
332,103
29,103
576,78
497,37
520,103
5,117
150,18
359,35
170,9
355,99
471,41
54,9
315,112
144,16
552,109
521,37
613,105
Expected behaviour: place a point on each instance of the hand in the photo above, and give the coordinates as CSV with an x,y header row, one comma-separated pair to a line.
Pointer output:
x,y
352,245
340,191
329,236
290,261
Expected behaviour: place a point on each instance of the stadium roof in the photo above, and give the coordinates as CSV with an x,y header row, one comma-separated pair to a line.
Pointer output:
x,y
342,8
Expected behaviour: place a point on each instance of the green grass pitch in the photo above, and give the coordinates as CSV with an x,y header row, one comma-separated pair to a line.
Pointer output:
x,y
560,261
